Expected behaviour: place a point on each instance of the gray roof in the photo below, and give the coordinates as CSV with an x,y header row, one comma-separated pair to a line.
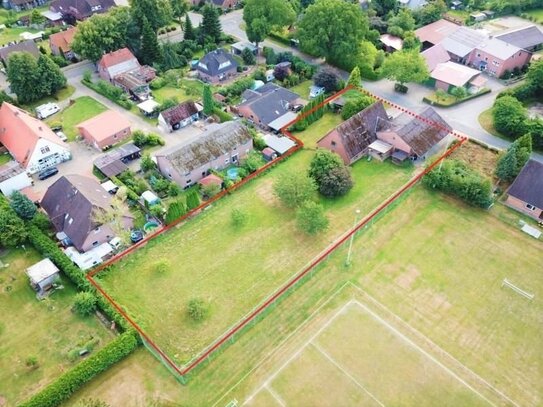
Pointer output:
x,y
219,139
269,102
462,41
178,113
212,62
423,132
24,46
111,164
10,170
498,48
528,186
524,37
71,203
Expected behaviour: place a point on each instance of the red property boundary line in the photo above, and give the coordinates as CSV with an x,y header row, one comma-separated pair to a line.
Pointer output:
x,y
248,318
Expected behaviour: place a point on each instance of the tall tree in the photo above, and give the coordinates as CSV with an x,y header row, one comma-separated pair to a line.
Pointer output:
x,y
209,105
401,23
98,35
211,25
23,76
430,12
294,188
383,7
179,9
535,76
188,33
327,78
261,17
333,29
157,12
509,116
354,77
12,229
36,17
23,207
405,66
311,219
150,49
51,77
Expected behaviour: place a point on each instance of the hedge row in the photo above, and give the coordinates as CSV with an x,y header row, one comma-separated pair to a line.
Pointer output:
x,y
110,95
130,193
457,102
63,387
48,248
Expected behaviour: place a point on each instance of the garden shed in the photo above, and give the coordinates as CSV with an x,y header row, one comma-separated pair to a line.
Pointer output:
x,y
149,198
42,275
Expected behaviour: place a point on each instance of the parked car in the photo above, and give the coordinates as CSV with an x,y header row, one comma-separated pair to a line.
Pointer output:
x,y
48,172
296,108
315,91
46,110
136,235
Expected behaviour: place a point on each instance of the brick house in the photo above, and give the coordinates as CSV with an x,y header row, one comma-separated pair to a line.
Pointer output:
x,y
495,57
61,43
72,202
122,69
105,130
224,4
79,10
351,139
216,66
221,146
416,138
526,193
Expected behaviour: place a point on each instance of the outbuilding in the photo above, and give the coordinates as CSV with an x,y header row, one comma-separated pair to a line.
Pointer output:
x,y
105,130
42,275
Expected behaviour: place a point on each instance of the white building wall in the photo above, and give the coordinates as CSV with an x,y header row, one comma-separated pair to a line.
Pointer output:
x,y
15,183
46,154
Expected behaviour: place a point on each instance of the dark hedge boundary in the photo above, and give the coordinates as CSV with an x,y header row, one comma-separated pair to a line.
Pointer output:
x,y
64,386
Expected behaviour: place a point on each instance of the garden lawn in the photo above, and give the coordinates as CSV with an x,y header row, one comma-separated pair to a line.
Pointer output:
x,y
46,329
319,129
188,89
83,109
302,89
537,13
233,269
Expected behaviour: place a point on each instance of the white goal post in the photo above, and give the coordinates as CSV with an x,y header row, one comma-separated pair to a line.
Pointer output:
x,y
526,294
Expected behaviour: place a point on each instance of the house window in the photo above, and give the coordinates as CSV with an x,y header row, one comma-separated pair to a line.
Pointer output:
x,y
95,243
530,207
478,55
44,149
97,229
189,181
333,143
235,158
114,136
227,161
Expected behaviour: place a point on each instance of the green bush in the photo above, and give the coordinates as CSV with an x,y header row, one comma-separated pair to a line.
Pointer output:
x,y
456,178
157,83
109,91
63,387
223,116
197,309
85,303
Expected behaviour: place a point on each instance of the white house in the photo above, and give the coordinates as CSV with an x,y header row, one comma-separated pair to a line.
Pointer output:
x,y
13,178
30,141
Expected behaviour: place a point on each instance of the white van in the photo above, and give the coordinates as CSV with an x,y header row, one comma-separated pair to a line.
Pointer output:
x,y
46,110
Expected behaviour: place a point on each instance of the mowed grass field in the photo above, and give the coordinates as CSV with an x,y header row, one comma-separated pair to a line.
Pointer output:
x,y
47,330
233,269
357,358
432,261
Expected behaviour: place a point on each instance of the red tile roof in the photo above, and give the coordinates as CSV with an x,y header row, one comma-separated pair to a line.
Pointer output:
x,y
105,125
436,31
116,57
63,39
19,132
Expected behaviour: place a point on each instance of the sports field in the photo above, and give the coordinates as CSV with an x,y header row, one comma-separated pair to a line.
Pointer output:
x,y
358,358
